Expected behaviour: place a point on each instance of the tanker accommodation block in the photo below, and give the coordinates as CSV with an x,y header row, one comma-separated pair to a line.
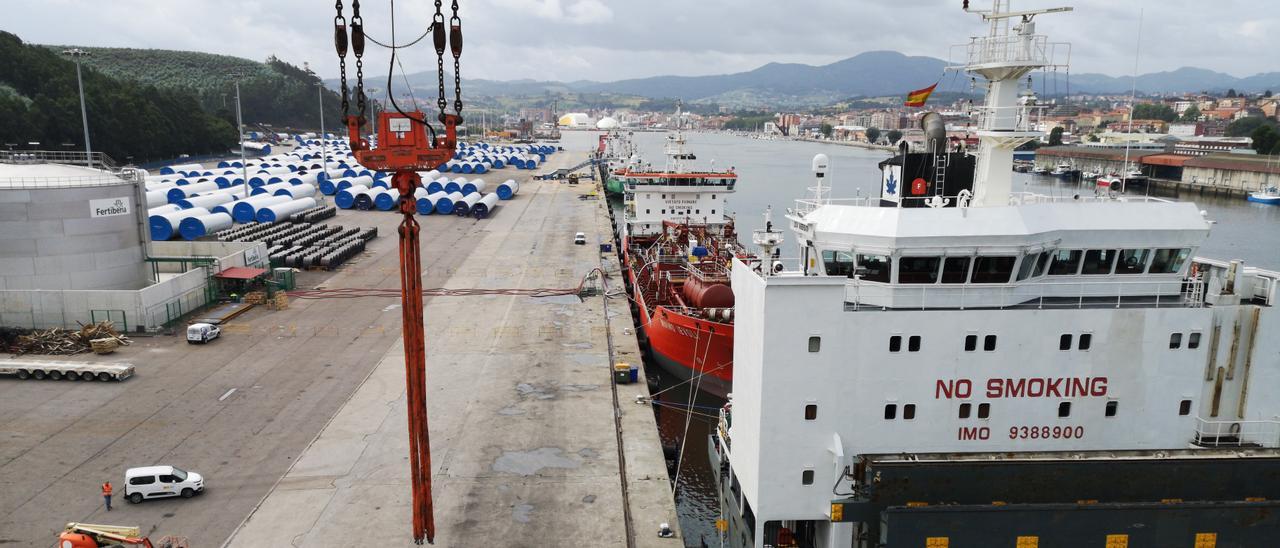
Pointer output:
x,y
74,248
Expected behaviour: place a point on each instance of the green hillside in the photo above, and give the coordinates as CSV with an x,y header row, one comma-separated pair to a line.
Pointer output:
x,y
39,102
275,93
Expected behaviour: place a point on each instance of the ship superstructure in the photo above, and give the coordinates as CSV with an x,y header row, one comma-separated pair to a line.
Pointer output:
x,y
678,242
614,155
990,368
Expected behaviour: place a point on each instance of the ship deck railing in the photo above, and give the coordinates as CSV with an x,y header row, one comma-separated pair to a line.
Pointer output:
x,y
1237,433
863,295
806,206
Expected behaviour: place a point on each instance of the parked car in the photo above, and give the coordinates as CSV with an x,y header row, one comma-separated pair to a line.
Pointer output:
x,y
580,238
151,482
202,333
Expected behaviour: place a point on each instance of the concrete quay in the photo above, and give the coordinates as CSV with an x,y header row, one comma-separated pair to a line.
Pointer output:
x,y
531,445
525,441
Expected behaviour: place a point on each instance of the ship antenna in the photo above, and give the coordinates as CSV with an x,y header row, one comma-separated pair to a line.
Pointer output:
x,y
821,165
1133,97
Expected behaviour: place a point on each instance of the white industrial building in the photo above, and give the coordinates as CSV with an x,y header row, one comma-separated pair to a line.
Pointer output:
x,y
74,248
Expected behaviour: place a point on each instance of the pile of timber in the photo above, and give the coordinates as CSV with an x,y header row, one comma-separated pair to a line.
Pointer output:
x,y
100,337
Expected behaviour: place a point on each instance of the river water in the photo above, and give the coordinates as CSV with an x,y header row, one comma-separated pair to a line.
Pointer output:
x,y
775,173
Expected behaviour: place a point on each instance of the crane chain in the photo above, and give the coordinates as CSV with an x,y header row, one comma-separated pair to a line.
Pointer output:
x,y
438,37
357,48
340,44
455,43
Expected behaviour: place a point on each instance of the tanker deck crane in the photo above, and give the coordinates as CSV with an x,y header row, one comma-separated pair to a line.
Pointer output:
x,y
403,148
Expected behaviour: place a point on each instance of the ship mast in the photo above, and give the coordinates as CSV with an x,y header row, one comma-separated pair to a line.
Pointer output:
x,y
674,148
1003,57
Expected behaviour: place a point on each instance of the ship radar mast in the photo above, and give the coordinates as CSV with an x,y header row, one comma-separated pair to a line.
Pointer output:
x,y
768,240
1002,59
674,148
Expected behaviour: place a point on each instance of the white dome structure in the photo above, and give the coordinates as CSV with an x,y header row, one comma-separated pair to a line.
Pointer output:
x,y
607,123
575,119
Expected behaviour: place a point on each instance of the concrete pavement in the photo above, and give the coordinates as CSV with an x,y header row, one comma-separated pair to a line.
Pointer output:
x,y
525,445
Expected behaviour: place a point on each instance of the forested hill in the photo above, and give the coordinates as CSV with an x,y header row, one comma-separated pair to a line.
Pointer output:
x,y
273,93
39,102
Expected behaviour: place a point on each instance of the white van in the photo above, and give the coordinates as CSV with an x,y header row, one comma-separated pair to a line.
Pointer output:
x,y
580,238
151,482
202,333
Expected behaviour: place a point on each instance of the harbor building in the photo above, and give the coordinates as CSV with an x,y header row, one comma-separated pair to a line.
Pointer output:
x,y
76,249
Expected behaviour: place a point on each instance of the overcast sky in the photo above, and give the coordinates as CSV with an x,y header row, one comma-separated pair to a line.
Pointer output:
x,y
616,39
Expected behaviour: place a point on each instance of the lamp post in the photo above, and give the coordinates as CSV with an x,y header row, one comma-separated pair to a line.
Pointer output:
x,y
76,54
324,154
244,165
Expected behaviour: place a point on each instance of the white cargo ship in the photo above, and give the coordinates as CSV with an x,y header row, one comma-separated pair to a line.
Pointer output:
x,y
953,364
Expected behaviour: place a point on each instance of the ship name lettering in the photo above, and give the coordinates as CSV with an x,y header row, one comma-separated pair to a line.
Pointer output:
x,y
1033,387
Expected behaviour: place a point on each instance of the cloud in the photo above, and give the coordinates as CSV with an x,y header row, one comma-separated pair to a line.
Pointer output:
x,y
616,39
579,12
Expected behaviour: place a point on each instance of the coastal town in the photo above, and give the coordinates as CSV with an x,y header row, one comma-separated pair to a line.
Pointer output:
x,y
1217,143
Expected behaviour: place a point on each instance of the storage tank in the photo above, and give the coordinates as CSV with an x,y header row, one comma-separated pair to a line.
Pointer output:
x,y
282,212
71,227
246,210
165,225
386,200
271,188
202,225
208,201
485,206
297,191
707,295
462,207
346,198
445,204
508,189
182,192
474,185
420,202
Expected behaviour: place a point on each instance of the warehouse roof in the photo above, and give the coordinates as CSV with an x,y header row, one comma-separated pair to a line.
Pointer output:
x,y
1093,153
1237,162
241,273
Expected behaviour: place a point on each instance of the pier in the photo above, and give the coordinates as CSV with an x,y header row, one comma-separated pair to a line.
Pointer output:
x,y
531,439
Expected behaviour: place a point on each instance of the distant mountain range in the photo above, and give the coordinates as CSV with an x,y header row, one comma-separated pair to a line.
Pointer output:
x,y
870,74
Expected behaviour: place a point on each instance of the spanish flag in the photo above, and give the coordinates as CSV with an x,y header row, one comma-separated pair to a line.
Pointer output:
x,y
918,97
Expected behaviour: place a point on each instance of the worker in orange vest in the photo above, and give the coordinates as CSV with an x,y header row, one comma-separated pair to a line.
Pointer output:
x,y
106,494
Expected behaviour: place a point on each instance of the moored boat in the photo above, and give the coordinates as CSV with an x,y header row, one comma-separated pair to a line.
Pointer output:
x,y
678,243
1269,195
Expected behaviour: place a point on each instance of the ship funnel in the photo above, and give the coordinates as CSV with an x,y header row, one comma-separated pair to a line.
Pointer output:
x,y
935,132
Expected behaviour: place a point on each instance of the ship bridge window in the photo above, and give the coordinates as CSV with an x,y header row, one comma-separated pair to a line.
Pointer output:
x,y
1042,263
877,267
992,270
955,270
1184,408
1065,262
918,270
815,343
1168,261
1027,266
1098,261
837,263
1133,261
